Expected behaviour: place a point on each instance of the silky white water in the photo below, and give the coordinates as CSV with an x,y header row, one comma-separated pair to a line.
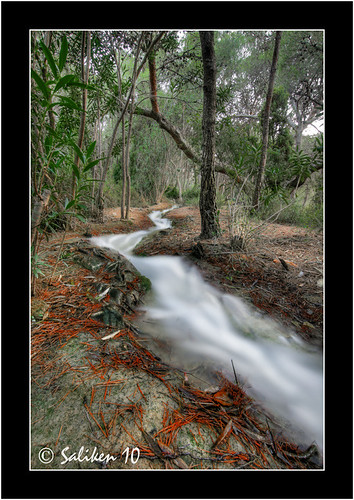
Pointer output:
x,y
274,364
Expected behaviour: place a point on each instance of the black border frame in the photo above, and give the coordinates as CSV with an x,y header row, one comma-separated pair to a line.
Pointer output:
x,y
336,19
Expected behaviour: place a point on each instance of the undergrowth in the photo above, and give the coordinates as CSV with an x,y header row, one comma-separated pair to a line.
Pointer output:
x,y
309,216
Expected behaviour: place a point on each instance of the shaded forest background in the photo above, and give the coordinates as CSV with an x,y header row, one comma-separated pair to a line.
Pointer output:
x,y
116,120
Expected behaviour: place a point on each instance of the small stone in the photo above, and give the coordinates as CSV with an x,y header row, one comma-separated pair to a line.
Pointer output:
x,y
39,309
109,315
116,295
198,251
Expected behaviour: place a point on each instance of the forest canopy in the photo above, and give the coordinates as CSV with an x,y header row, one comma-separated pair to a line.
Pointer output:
x,y
121,118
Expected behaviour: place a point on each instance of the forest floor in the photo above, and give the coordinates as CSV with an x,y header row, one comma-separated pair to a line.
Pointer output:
x,y
99,389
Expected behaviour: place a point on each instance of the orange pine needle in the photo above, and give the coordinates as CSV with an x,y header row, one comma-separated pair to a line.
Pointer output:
x,y
58,435
141,392
91,414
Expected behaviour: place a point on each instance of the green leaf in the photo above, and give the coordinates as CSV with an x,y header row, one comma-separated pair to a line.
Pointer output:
x,y
42,86
63,81
53,132
69,103
77,151
48,143
91,165
80,217
70,204
76,171
90,149
50,59
63,53
82,85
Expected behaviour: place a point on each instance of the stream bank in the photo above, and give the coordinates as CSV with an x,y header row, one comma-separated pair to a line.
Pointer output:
x,y
97,383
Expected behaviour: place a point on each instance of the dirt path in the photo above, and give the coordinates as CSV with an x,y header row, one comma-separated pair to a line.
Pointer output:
x,y
100,390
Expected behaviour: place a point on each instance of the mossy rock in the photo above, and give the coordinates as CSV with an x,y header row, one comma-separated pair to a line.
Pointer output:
x,y
110,315
145,283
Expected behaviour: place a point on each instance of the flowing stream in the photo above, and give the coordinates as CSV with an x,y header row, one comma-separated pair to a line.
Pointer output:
x,y
273,363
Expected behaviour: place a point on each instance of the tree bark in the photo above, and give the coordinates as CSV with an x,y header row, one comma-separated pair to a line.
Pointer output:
x,y
127,159
207,202
265,132
84,77
124,174
96,171
39,205
124,171
153,83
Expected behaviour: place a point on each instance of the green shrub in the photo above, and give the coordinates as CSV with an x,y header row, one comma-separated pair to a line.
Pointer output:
x,y
172,193
191,195
310,216
113,194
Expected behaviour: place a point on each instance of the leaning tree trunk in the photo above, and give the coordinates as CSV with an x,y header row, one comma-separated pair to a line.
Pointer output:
x,y
207,202
265,133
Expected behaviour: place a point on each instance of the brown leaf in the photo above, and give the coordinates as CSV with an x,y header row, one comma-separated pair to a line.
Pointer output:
x,y
223,398
176,460
153,444
223,435
180,463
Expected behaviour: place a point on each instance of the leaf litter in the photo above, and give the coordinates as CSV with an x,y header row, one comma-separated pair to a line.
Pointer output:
x,y
97,387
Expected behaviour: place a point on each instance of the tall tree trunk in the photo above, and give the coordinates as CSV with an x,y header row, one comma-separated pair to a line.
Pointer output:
x,y
96,171
265,132
207,203
127,172
124,172
109,153
127,156
153,83
86,42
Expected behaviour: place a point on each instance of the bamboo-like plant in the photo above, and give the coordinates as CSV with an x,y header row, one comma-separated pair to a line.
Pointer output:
x,y
54,150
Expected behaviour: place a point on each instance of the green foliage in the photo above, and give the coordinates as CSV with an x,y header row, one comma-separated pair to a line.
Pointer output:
x,y
301,164
63,53
54,142
278,113
272,192
191,195
172,193
317,151
310,216
37,264
243,62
